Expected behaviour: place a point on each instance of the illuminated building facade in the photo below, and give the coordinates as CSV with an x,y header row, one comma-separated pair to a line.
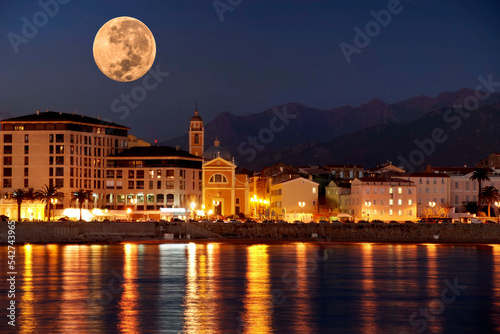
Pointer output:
x,y
65,150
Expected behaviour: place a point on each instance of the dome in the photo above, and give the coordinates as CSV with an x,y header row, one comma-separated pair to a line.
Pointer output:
x,y
196,117
217,152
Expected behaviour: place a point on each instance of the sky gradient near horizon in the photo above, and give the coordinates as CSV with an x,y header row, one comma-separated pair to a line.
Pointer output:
x,y
263,54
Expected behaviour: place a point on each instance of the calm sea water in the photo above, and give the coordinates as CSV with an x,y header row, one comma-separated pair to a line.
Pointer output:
x,y
243,288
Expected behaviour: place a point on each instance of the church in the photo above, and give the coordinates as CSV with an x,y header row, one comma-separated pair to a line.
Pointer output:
x,y
224,192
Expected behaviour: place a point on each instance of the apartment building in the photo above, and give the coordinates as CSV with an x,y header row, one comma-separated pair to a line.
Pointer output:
x,y
150,178
383,199
65,150
295,199
433,191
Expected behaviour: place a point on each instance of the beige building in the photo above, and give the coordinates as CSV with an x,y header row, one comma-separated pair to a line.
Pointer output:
x,y
66,150
433,192
295,199
383,199
147,179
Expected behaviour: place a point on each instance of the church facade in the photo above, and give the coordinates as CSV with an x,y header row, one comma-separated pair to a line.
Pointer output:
x,y
224,192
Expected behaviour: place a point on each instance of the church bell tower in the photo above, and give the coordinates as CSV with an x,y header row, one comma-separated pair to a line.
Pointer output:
x,y
196,135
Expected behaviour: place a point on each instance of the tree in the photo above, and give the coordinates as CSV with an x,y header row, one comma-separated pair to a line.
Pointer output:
x,y
479,175
489,195
81,195
19,195
471,207
47,194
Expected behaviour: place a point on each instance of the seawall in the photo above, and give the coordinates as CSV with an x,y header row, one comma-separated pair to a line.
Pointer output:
x,y
90,232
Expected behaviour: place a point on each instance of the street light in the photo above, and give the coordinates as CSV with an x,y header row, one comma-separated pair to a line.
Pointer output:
x,y
193,206
129,210
302,204
367,204
432,205
497,204
53,201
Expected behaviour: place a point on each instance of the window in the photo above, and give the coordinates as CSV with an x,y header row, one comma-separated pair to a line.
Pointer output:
x,y
51,138
160,198
150,184
218,178
400,201
26,171
7,161
237,200
26,183
170,198
120,198
400,190
119,174
26,161
196,138
140,197
131,184
26,138
119,184
183,185
110,174
390,190
139,184
60,138
400,212
170,174
7,138
158,184
158,174
456,185
59,160
391,201
169,185
110,184
51,171
391,212
7,149
183,174
60,183
59,149
130,174
150,198
314,190
140,174
7,183
151,174
410,202
59,171
7,171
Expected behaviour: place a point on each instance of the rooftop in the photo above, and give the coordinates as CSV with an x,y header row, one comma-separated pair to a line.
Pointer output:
x,y
154,151
52,116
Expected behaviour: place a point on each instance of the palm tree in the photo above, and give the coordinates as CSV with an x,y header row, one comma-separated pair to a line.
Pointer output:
x,y
48,193
479,175
81,195
19,195
488,196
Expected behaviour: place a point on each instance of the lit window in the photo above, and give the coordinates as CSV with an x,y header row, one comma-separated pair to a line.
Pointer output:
x,y
391,201
390,212
400,190
400,201
410,202
314,190
390,190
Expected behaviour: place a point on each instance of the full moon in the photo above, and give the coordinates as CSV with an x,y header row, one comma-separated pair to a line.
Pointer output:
x,y
124,49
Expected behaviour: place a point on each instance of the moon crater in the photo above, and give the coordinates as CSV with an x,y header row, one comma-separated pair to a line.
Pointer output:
x,y
124,49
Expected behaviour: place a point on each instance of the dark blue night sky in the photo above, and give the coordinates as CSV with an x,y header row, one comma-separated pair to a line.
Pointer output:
x,y
262,54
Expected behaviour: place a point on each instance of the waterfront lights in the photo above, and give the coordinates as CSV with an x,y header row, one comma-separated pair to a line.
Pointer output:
x,y
367,204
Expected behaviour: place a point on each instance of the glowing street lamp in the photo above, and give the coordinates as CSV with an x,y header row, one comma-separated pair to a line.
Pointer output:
x,y
368,204
53,201
302,204
129,210
432,205
193,206
497,204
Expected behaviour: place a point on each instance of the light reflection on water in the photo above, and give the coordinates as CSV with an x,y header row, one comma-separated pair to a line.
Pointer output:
x,y
229,288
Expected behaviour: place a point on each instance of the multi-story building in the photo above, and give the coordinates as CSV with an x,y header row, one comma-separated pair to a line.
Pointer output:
x,y
462,189
147,179
295,199
65,150
383,199
433,191
337,194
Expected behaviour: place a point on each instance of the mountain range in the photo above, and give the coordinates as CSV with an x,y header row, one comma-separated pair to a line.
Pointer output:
x,y
369,134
